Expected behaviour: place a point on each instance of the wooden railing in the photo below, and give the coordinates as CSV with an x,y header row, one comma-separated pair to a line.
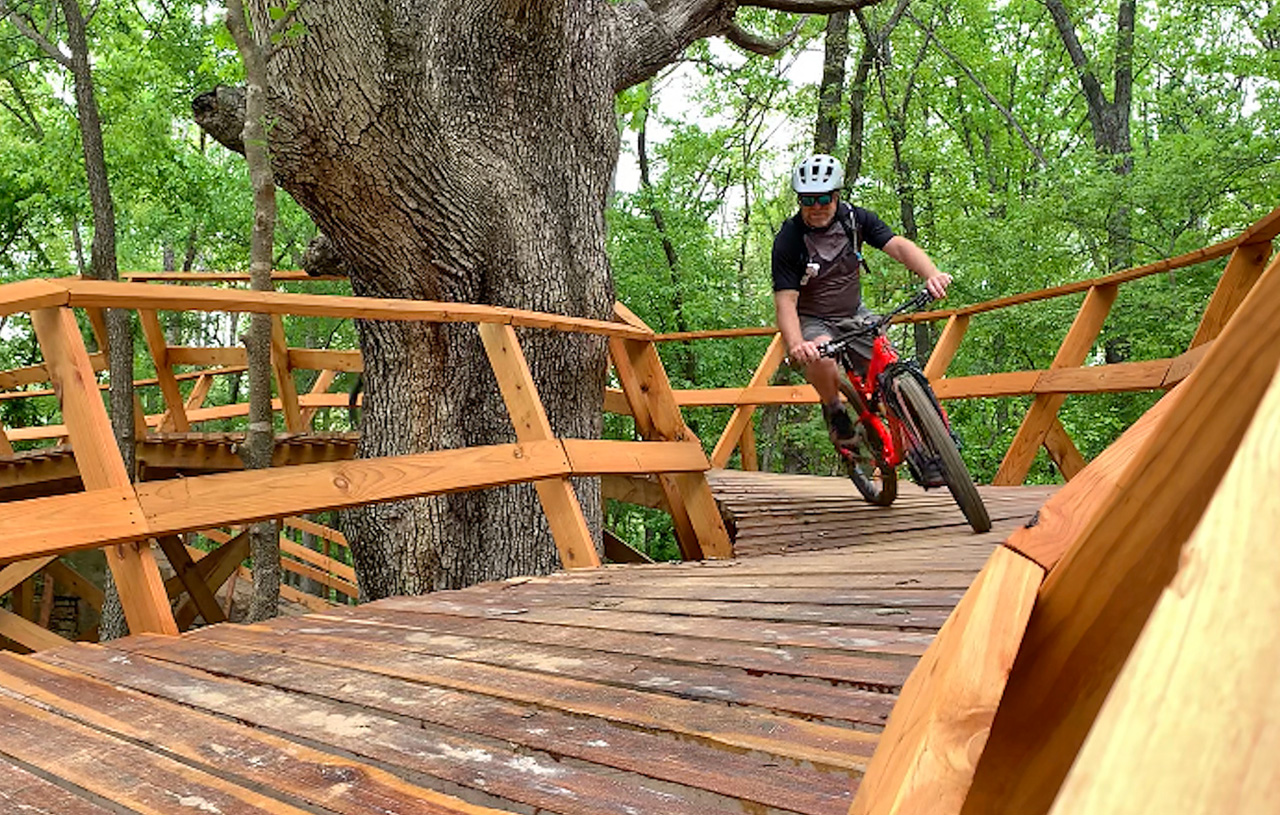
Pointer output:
x,y
114,513
1067,374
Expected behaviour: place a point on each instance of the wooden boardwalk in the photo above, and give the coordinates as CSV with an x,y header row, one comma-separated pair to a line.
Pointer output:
x,y
757,685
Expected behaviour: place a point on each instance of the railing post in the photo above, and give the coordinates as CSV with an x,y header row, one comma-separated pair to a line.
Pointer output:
x,y
322,383
1044,409
740,420
559,501
1242,272
945,350
284,377
142,594
175,417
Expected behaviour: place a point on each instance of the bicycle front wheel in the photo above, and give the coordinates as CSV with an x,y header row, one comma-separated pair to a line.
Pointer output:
x,y
939,446
867,469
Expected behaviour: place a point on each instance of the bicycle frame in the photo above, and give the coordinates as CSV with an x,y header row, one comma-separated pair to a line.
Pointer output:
x,y
883,354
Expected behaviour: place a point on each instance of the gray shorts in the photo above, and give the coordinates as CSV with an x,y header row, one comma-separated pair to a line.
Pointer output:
x,y
815,328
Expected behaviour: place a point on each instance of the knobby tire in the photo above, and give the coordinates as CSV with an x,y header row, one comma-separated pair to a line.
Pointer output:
x,y
938,440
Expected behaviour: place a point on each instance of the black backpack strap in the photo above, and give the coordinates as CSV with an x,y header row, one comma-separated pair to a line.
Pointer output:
x,y
854,235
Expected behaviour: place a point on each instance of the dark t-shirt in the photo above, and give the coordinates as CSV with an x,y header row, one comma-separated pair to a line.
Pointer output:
x,y
822,264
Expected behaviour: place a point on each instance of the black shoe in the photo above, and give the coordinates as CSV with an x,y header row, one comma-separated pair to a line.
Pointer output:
x,y
839,425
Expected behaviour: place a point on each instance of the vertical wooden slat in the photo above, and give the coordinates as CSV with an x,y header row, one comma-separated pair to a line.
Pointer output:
x,y
559,501
1096,600
132,565
945,349
924,762
187,573
1044,409
1242,272
284,377
750,461
98,321
175,413
1192,725
741,417
699,526
6,448
322,383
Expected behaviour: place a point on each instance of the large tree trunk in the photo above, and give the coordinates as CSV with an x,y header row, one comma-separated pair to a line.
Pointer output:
x,y
456,151
826,131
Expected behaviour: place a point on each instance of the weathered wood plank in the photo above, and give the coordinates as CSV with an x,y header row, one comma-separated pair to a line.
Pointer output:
x,y
24,792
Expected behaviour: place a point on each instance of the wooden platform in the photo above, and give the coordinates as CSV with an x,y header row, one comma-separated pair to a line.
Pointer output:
x,y
757,685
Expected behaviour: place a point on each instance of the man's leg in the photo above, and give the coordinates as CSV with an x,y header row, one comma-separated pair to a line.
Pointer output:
x,y
824,375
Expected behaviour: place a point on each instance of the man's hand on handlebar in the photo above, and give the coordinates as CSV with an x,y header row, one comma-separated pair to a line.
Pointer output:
x,y
805,352
937,285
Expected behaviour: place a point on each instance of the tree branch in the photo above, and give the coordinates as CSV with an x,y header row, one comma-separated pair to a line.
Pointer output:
x,y
756,44
28,30
809,6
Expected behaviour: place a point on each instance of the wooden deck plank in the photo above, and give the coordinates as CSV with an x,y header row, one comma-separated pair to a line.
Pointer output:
x,y
22,791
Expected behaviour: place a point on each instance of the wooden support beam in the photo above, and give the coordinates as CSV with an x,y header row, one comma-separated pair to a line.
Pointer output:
x,y
26,633
639,490
1097,598
924,762
321,359
101,468
76,583
740,420
175,413
699,526
1242,272
285,385
560,503
945,349
328,565
98,322
184,568
619,551
1063,451
1044,409
215,568
319,530
6,448
747,449
1191,726
321,385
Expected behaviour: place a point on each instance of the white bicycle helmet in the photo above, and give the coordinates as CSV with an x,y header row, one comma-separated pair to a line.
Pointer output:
x,y
818,173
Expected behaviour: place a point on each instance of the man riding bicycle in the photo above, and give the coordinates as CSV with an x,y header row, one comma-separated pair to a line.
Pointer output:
x,y
817,276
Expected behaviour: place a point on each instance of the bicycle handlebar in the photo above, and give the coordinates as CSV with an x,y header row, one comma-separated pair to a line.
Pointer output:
x,y
873,328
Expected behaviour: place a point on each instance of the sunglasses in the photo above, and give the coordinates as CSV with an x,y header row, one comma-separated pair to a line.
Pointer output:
x,y
818,200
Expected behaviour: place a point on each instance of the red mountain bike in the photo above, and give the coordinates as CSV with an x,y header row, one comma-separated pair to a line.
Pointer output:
x,y
898,419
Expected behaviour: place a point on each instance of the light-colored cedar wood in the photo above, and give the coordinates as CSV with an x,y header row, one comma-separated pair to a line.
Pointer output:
x,y
187,573
751,397
175,417
605,457
319,387
559,501
740,419
86,293
629,317
324,359
1184,364
192,504
615,401
1095,601
716,334
214,568
31,295
199,391
638,490
319,530
32,374
945,349
1063,451
14,574
141,421
62,523
79,585
45,611
747,448
986,385
6,449
224,357
1217,250
325,563
101,468
320,575
1116,378
137,383
26,633
1192,725
1044,409
285,386
1243,269
649,392
924,762
98,322
250,755
22,599
1265,229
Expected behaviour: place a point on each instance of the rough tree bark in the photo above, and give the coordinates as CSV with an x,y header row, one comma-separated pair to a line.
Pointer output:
x,y
463,151
831,90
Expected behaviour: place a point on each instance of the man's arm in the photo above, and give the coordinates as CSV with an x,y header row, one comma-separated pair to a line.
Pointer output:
x,y
784,308
905,251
